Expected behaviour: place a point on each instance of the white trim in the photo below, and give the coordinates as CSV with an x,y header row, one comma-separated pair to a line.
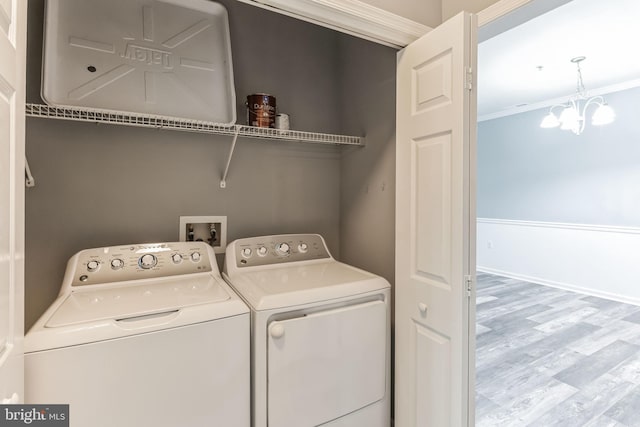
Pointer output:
x,y
498,10
561,285
561,100
362,20
351,17
562,225
599,260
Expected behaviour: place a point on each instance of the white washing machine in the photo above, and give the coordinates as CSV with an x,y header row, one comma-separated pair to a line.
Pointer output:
x,y
145,335
320,333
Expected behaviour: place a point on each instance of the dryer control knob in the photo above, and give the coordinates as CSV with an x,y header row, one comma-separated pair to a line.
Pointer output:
x,y
147,261
176,258
283,248
93,266
117,264
246,252
195,257
276,330
262,251
303,248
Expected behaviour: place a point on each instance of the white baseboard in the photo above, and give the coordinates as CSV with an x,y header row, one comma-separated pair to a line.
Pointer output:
x,y
559,285
591,259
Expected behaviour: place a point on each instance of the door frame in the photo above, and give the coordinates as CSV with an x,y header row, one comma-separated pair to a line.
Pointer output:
x,y
368,22
13,88
506,14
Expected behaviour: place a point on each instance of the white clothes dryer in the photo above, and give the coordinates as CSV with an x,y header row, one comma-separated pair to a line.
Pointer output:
x,y
145,335
320,334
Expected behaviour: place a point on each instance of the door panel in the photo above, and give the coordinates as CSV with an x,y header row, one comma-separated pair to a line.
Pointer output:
x,y
5,17
433,208
12,183
433,394
434,242
433,83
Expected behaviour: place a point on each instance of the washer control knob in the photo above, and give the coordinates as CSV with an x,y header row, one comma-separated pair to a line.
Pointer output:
x,y
176,258
246,252
93,266
195,257
283,249
276,330
303,248
262,251
117,263
147,261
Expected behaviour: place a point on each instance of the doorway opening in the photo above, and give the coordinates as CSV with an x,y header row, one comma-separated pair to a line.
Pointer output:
x,y
558,312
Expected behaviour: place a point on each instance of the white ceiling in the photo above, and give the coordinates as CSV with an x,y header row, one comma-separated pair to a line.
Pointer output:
x,y
607,32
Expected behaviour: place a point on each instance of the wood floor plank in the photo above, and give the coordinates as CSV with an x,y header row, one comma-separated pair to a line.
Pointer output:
x,y
626,410
547,356
587,404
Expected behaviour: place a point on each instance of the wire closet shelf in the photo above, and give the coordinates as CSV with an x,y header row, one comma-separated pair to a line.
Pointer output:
x,y
173,123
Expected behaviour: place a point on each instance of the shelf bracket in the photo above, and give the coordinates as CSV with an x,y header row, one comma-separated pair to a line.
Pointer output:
x,y
223,182
29,181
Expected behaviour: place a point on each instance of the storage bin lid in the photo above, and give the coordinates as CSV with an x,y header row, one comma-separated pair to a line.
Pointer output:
x,y
169,58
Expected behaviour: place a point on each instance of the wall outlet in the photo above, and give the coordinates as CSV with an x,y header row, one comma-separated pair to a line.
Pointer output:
x,y
209,229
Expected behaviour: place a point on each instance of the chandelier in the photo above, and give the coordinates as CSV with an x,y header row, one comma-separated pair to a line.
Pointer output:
x,y
573,113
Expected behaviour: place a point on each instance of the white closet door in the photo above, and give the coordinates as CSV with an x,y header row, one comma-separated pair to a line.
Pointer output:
x,y
435,235
12,93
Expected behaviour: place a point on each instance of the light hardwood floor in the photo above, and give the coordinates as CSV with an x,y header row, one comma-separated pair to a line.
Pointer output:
x,y
549,357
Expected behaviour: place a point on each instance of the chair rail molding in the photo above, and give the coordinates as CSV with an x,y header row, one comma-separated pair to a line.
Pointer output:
x,y
599,260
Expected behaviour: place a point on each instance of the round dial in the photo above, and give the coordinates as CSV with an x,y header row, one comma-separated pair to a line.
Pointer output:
x,y
93,265
283,248
195,257
176,258
303,248
117,264
147,261
246,252
262,251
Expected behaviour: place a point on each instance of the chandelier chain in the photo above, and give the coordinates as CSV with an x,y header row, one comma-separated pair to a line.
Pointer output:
x,y
580,85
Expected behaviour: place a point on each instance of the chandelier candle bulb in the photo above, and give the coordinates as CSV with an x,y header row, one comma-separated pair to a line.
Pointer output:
x,y
550,121
603,115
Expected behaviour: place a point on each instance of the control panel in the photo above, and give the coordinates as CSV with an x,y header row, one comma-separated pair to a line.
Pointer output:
x,y
142,261
267,250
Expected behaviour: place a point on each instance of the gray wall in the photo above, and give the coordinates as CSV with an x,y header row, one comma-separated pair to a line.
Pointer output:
x,y
102,185
529,173
426,12
367,202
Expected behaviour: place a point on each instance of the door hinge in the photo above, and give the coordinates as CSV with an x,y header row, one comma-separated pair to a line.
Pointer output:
x,y
469,79
468,280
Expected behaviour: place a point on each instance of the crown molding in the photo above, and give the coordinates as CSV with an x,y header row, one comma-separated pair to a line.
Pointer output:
x,y
630,84
352,17
498,10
